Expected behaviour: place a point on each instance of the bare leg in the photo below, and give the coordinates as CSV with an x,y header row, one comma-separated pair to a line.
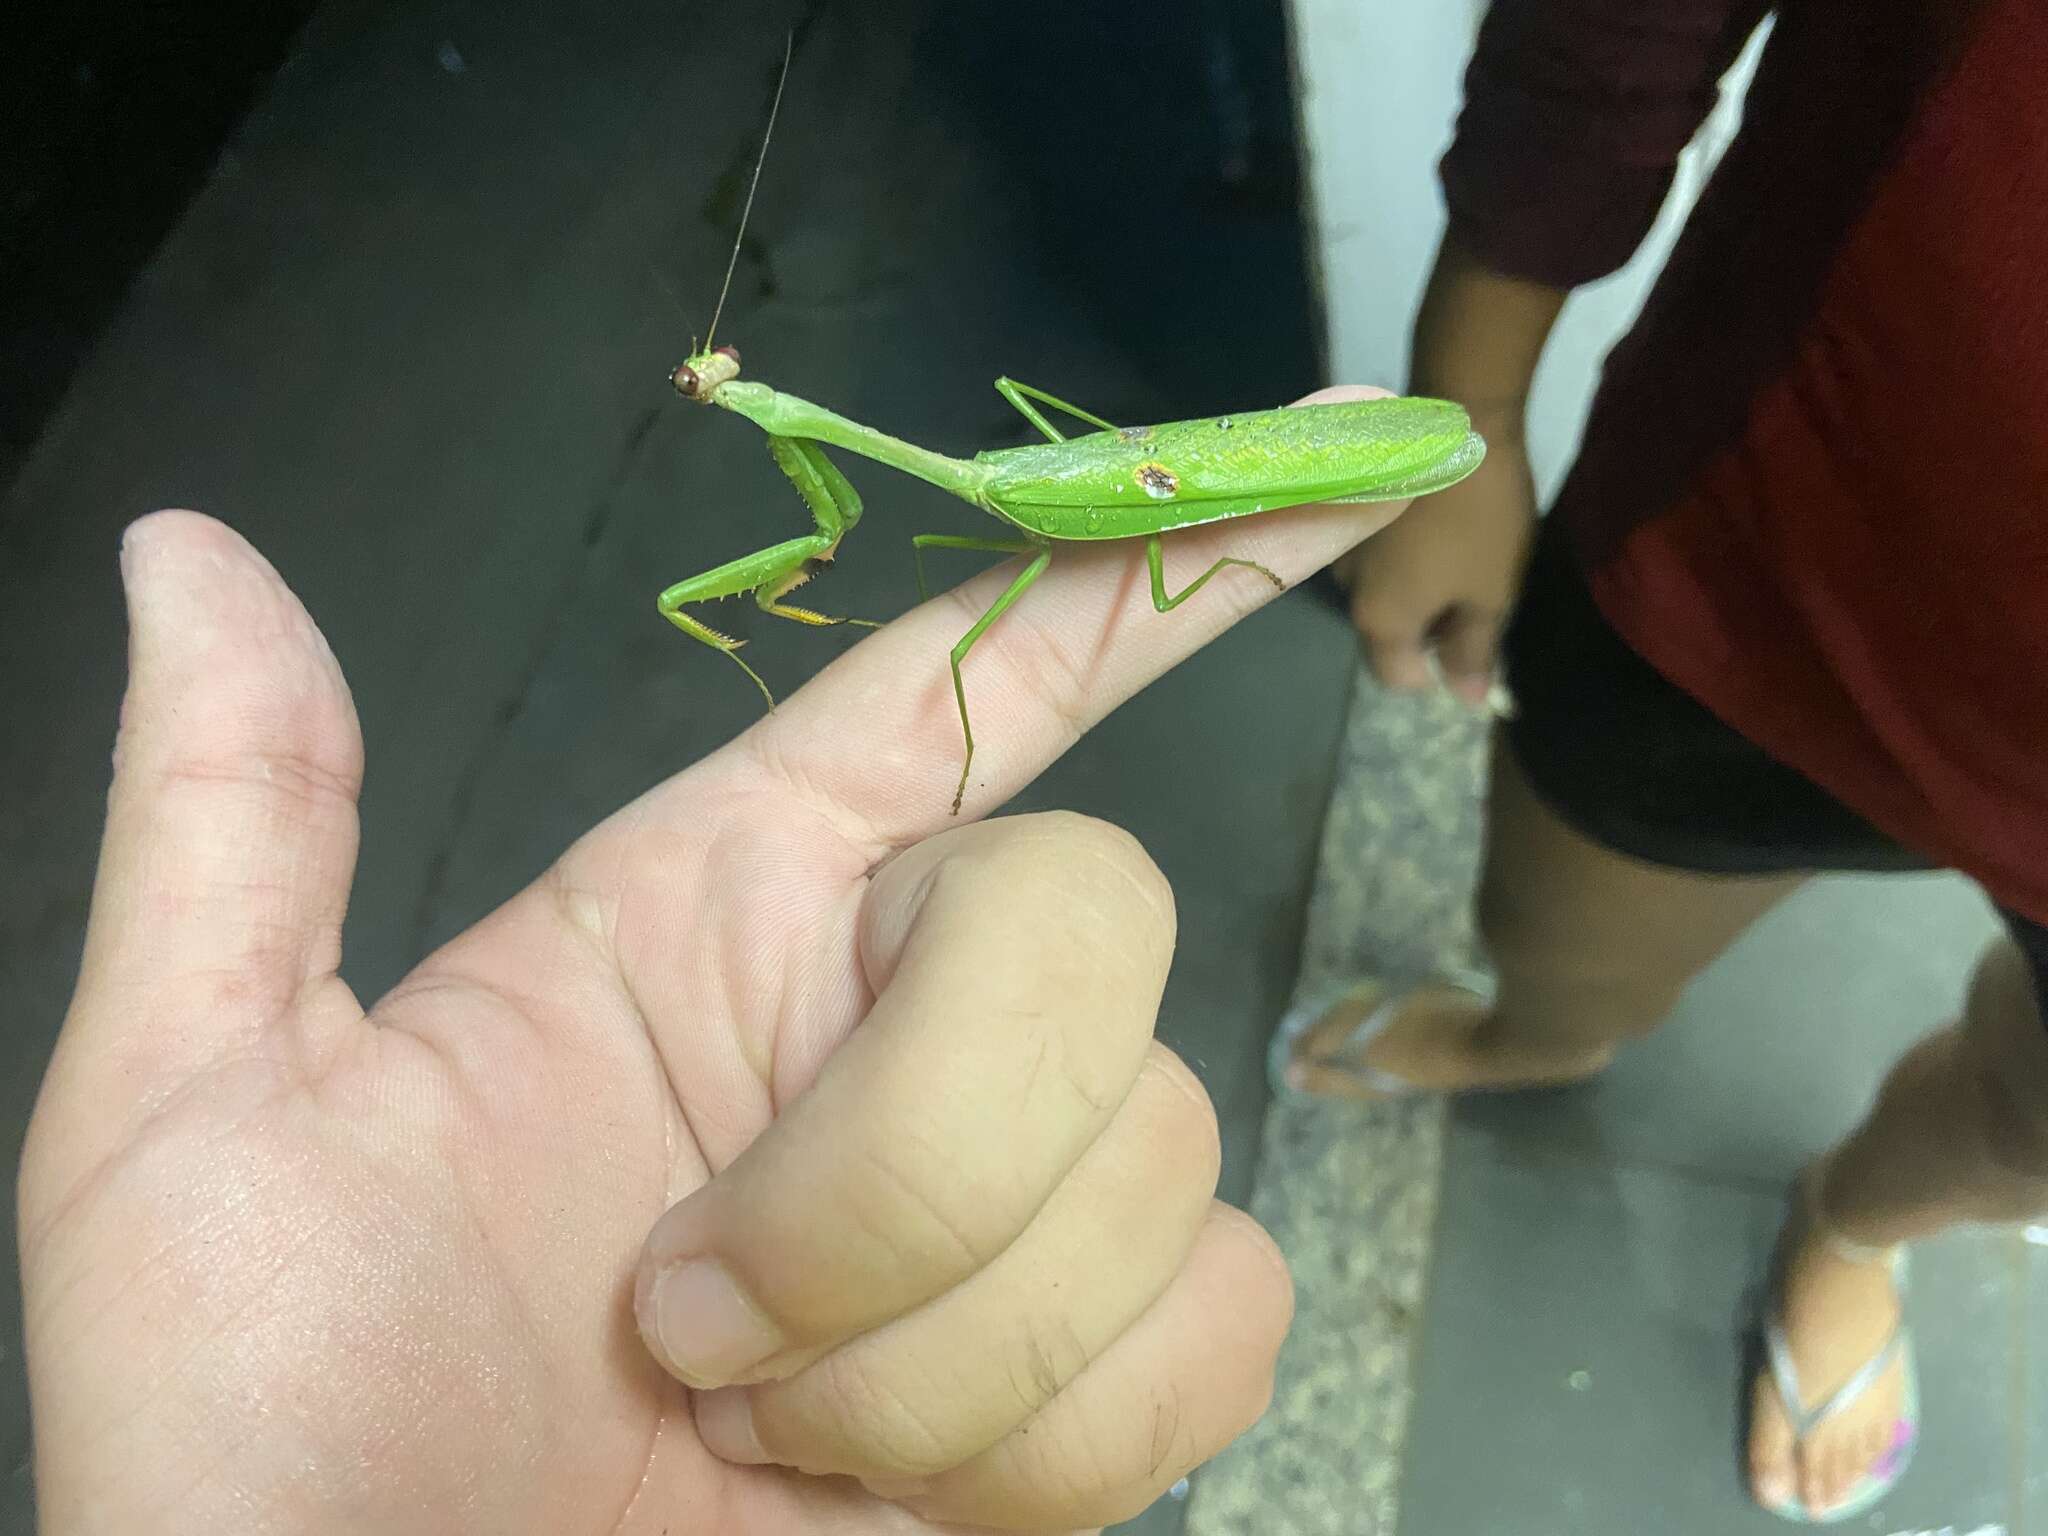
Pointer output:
x,y
1959,1134
1590,949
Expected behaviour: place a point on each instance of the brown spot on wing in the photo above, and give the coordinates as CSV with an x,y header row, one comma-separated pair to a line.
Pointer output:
x,y
1156,480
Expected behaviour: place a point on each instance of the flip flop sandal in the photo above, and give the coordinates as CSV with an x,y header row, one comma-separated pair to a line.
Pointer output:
x,y
1310,1008
1890,1466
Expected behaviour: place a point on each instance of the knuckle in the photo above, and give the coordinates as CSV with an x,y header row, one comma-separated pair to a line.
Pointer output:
x,y
1090,837
873,1425
294,779
1146,894
1081,864
1088,1077
914,1223
1043,1357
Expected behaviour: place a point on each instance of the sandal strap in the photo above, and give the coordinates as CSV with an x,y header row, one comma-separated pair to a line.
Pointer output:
x,y
1350,1056
1785,1375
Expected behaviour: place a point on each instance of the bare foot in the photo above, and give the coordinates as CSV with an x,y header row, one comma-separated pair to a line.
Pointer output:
x,y
1837,1306
1442,1039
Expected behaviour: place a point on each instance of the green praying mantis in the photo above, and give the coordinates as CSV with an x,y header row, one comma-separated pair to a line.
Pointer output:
x,y
1111,482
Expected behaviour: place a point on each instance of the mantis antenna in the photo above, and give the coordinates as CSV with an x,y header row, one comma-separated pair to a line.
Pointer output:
x,y
788,47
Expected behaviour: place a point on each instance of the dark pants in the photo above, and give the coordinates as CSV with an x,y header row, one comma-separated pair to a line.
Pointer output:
x,y
1641,767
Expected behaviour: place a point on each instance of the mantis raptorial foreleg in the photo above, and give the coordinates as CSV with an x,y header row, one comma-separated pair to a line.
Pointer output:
x,y
772,573
1153,553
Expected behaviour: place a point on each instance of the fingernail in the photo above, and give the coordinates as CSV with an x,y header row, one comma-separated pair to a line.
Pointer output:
x,y
135,550
725,1423
703,1326
1775,1490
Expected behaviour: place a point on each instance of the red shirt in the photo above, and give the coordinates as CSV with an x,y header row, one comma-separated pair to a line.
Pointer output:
x,y
1813,490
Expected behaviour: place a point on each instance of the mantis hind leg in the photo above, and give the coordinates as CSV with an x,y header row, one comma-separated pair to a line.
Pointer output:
x,y
772,573
1002,605
1163,603
1021,396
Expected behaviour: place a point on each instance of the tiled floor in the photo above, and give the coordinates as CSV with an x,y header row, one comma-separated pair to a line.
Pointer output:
x,y
1614,1230
411,339
1567,1363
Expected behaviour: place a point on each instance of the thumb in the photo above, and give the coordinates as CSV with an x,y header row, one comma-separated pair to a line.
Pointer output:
x,y
230,837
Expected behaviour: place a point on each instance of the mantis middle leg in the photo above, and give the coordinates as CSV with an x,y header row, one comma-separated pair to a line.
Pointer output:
x,y
772,573
1021,396
1042,557
1015,590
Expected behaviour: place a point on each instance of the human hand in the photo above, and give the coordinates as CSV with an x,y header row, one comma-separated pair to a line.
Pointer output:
x,y
291,1265
1442,582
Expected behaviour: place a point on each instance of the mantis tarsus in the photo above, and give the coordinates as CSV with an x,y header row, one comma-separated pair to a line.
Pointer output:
x,y
1110,483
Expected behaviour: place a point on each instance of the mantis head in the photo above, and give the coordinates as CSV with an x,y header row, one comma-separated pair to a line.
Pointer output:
x,y
699,378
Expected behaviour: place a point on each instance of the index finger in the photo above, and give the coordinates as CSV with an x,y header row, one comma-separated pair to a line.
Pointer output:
x,y
1083,640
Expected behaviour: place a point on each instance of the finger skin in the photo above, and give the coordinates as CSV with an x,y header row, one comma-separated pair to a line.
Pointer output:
x,y
1016,1012
229,846
1466,645
932,1389
1397,656
1397,623
1183,1382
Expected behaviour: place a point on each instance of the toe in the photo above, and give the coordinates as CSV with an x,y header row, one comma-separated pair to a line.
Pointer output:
x,y
1330,1033
1838,1462
1876,1450
1770,1450
1850,1463
1812,1477
1874,1439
